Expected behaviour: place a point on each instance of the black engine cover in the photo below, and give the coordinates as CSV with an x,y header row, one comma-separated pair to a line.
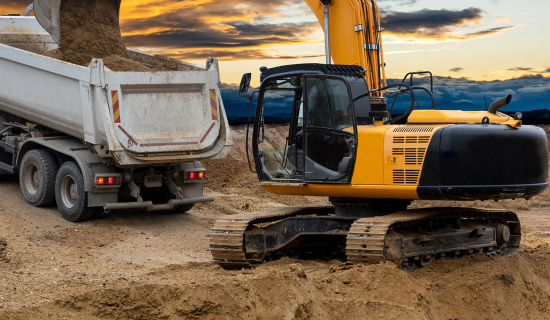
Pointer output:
x,y
485,161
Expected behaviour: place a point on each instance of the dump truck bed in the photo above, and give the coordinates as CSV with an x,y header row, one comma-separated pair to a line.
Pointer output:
x,y
139,117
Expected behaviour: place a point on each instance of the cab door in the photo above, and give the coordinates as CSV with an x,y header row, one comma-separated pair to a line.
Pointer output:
x,y
330,132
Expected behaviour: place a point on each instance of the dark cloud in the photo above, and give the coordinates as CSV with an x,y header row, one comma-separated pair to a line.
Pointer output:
x,y
546,71
248,54
485,32
221,26
435,24
397,2
457,69
434,21
520,69
240,35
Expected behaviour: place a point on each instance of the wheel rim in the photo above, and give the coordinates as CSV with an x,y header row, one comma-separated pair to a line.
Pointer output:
x,y
69,191
32,178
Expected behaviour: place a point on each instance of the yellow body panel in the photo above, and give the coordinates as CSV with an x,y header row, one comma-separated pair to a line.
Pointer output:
x,y
451,116
405,148
388,165
369,164
344,190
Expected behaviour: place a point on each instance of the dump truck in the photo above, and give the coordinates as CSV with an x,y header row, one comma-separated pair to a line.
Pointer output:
x,y
92,140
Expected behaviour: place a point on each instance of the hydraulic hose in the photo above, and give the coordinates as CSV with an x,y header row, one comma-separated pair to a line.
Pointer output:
x,y
413,99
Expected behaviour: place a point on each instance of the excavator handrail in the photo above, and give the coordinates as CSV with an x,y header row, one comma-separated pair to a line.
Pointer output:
x,y
420,72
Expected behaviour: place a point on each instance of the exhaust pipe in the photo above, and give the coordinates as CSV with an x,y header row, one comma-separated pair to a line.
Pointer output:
x,y
502,102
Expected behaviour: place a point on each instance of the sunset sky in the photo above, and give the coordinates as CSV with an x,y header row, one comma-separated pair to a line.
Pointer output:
x,y
480,41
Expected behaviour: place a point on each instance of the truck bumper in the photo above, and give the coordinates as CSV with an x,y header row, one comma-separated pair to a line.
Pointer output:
x,y
155,207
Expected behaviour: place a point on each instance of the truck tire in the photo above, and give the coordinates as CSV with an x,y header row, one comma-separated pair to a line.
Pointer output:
x,y
179,209
72,199
37,177
185,207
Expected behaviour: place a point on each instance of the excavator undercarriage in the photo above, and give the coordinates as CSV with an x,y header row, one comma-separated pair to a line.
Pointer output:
x,y
408,238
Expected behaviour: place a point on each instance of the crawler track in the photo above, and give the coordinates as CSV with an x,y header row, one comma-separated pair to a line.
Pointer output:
x,y
377,238
367,238
227,235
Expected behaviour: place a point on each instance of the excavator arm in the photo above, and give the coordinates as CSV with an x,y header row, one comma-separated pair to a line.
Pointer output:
x,y
353,35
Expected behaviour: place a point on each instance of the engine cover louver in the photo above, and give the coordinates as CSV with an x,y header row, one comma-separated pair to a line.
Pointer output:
x,y
406,176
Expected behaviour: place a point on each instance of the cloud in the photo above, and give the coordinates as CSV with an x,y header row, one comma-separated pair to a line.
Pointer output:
x,y
236,35
13,6
546,71
520,69
487,32
397,2
502,19
221,28
428,21
436,24
249,54
457,69
529,92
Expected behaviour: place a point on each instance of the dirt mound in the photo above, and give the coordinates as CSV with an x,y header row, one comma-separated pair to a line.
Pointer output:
x,y
146,265
90,29
3,255
235,188
470,288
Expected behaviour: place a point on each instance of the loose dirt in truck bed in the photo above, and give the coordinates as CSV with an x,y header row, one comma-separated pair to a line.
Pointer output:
x,y
143,265
90,29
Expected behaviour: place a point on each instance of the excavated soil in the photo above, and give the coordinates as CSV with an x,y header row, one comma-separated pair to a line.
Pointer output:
x,y
90,29
142,265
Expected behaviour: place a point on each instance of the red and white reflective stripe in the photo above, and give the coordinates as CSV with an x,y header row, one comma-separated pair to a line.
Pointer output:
x,y
214,104
116,106
128,135
208,132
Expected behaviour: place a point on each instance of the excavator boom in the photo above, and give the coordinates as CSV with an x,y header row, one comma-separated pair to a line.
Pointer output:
x,y
354,35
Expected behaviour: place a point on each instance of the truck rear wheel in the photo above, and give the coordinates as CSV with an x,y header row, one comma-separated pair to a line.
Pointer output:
x,y
37,177
185,207
180,209
72,199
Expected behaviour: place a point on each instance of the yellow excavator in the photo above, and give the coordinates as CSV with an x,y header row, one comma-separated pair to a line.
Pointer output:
x,y
333,136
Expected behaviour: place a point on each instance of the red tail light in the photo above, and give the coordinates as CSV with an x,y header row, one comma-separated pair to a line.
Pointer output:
x,y
195,175
108,181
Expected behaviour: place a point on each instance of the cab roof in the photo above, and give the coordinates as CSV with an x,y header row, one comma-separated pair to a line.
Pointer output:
x,y
317,68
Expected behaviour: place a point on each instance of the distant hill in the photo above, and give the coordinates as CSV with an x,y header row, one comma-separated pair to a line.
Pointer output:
x,y
533,117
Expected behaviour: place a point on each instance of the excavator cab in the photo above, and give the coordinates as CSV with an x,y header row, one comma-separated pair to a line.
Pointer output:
x,y
314,109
